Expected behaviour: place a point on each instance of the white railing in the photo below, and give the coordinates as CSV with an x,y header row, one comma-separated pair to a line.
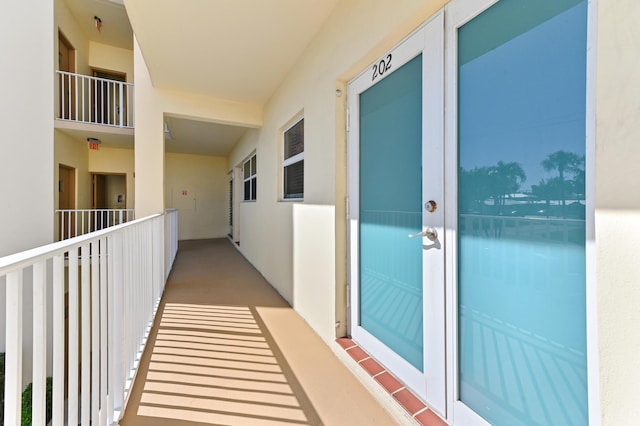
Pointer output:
x,y
95,100
92,300
73,223
171,235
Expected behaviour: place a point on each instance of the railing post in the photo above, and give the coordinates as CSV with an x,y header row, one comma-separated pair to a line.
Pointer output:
x,y
95,332
116,335
120,105
75,94
13,355
72,366
82,97
58,341
85,327
104,368
89,107
109,90
39,343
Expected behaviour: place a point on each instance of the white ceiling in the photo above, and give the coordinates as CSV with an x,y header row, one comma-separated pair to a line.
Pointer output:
x,y
232,49
238,50
115,30
200,137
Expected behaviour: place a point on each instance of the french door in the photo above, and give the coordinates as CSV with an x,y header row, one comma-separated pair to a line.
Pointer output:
x,y
468,243
396,214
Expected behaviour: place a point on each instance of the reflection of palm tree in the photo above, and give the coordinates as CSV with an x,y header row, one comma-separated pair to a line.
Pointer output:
x,y
549,189
475,188
563,161
578,186
506,178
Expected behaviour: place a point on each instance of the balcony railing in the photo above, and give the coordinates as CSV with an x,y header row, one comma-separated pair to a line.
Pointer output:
x,y
92,300
95,100
73,223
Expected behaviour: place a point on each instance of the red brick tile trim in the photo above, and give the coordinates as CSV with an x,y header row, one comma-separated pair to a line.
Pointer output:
x,y
357,353
412,404
346,343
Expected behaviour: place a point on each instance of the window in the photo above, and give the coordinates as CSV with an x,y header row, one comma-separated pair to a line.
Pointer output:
x,y
293,162
249,178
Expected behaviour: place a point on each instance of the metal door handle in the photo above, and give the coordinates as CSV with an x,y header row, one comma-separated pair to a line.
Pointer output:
x,y
430,233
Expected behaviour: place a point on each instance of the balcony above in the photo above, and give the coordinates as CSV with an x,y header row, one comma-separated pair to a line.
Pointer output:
x,y
95,100
93,107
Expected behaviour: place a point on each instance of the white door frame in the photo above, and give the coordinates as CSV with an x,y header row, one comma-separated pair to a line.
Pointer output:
x,y
457,13
428,40
440,35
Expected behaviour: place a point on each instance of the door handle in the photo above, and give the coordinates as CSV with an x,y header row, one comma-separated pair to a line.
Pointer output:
x,y
430,233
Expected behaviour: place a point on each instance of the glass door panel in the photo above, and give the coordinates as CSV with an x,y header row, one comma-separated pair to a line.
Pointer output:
x,y
521,213
390,179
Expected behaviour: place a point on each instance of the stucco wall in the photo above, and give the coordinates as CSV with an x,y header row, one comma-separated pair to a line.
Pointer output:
x,y
67,24
197,186
26,118
618,209
115,160
150,106
26,142
350,40
111,58
72,152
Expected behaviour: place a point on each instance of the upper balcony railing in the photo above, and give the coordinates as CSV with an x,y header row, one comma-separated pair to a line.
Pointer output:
x,y
95,100
73,223
80,311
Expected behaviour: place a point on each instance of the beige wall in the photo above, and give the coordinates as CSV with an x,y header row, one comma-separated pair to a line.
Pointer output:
x,y
618,209
197,185
313,260
109,58
26,143
150,106
67,24
115,190
115,160
26,118
74,153
343,48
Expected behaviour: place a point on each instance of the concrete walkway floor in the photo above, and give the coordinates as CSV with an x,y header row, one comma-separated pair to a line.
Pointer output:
x,y
226,349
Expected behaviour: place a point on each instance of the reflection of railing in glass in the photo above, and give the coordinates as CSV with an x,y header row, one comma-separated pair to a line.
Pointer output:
x,y
518,363
521,301
391,280
531,229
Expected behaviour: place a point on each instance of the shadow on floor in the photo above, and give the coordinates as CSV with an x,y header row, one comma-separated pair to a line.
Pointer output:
x,y
210,358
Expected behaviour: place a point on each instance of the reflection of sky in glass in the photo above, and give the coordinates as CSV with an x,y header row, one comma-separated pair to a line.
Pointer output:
x,y
511,121
522,333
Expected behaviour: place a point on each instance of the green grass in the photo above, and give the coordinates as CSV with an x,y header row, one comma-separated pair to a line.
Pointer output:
x,y
26,398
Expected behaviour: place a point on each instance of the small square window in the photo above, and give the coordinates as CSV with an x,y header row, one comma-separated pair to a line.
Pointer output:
x,y
293,161
249,173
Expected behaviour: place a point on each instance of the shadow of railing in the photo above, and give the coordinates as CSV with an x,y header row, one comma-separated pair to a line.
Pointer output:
x,y
526,375
218,364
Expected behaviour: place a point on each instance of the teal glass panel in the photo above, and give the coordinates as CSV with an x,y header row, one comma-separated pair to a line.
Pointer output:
x,y
521,205
390,210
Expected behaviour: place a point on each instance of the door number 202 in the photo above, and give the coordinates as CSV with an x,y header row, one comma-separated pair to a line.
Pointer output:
x,y
381,67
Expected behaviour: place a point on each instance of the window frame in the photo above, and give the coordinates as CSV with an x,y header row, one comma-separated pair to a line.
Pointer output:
x,y
294,159
252,179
